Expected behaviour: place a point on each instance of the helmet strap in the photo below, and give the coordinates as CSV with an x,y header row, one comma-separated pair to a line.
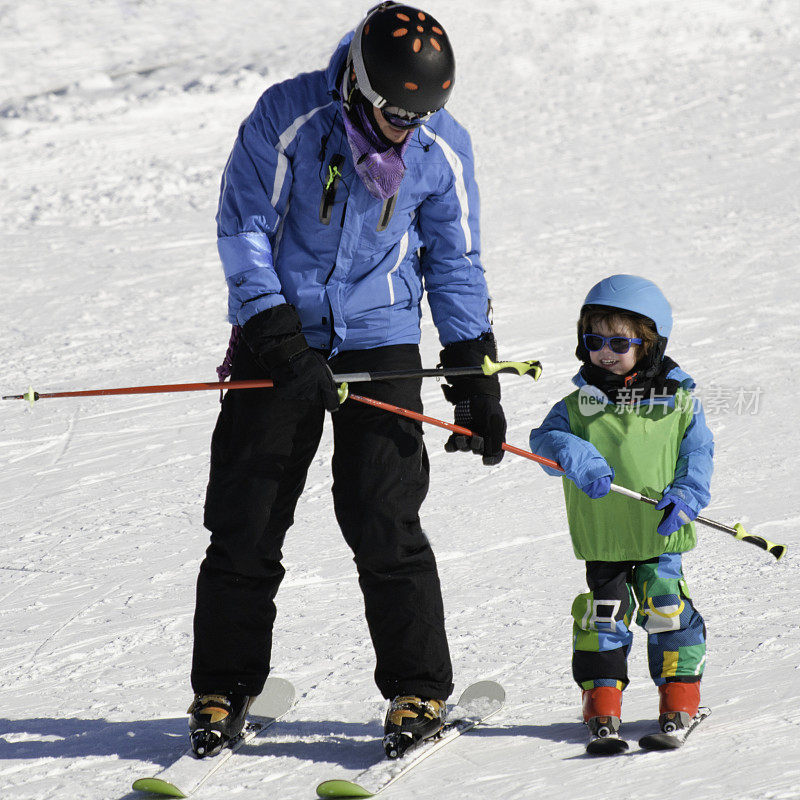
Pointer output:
x,y
354,103
650,365
356,62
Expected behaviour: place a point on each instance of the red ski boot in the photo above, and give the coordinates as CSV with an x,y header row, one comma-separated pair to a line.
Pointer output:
x,y
679,714
602,709
678,704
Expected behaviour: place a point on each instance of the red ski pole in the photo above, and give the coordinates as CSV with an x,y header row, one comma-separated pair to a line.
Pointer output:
x,y
489,367
440,423
737,530
32,396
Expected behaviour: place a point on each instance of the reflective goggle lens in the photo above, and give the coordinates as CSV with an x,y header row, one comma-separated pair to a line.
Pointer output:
x,y
400,118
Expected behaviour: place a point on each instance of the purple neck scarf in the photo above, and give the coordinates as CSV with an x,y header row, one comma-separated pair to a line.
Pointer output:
x,y
380,168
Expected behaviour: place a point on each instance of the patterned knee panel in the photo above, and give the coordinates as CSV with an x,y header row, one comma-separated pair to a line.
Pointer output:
x,y
602,619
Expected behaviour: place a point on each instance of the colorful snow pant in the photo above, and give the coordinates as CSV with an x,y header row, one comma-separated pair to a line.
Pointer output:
x,y
261,450
676,635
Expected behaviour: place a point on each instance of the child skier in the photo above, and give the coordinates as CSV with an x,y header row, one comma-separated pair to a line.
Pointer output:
x,y
632,419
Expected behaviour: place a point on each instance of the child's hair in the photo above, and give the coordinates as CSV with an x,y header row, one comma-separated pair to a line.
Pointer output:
x,y
615,318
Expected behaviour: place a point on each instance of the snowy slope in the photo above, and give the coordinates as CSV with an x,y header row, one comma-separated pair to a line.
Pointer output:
x,y
661,139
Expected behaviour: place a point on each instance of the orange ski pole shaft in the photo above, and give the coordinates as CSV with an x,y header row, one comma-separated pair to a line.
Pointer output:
x,y
531,368
440,423
737,530
157,389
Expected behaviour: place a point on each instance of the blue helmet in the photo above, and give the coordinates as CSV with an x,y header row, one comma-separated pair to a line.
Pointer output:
x,y
632,293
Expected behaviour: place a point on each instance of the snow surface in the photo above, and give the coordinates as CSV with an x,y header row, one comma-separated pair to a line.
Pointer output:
x,y
661,139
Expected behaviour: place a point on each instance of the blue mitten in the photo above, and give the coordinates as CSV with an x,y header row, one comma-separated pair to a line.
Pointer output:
x,y
676,514
599,487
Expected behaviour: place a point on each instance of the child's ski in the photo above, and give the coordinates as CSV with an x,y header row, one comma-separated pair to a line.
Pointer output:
x,y
605,745
674,739
188,773
604,738
477,703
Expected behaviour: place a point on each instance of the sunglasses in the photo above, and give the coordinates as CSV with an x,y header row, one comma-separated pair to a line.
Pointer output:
x,y
399,118
617,344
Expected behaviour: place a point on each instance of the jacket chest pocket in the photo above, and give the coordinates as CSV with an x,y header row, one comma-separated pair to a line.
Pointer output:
x,y
386,223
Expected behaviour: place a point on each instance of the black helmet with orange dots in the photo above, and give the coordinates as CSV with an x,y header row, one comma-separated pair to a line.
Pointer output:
x,y
401,61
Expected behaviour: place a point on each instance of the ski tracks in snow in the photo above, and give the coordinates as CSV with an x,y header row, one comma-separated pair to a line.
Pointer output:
x,y
635,139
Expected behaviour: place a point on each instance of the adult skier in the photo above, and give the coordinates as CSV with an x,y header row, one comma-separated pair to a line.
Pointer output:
x,y
634,419
349,193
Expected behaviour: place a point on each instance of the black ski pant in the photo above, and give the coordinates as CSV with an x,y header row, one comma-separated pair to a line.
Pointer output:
x,y
261,450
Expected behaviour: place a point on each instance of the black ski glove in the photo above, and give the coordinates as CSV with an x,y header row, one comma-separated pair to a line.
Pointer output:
x,y
477,400
300,373
307,376
484,416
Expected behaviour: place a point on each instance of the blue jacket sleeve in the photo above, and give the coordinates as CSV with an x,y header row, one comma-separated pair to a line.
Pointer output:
x,y
449,226
254,191
580,460
695,463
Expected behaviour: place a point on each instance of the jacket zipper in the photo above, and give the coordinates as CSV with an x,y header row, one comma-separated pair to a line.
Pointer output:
x,y
330,310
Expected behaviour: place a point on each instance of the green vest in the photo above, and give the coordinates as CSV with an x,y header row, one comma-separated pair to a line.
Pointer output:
x,y
641,443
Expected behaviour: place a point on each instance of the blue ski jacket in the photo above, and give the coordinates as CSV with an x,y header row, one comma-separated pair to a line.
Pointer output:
x,y
583,463
356,280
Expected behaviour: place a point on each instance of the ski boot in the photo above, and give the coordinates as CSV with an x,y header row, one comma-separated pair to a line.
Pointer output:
x,y
410,720
678,697
679,713
602,709
215,720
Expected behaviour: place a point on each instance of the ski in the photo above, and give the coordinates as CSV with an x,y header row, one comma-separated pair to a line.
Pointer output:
x,y
606,745
674,739
477,703
186,775
604,739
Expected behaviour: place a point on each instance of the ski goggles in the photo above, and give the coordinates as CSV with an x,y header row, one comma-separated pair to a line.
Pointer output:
x,y
617,344
399,118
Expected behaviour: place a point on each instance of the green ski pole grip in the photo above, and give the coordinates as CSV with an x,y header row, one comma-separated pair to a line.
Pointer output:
x,y
778,550
532,368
